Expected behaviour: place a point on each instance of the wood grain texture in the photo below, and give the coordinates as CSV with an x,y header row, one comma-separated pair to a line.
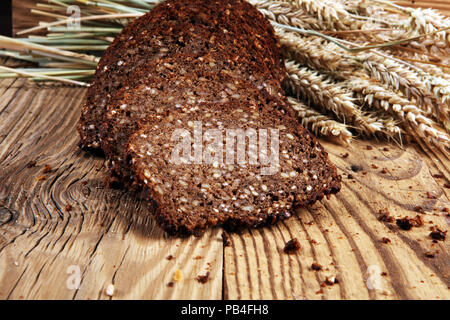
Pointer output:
x,y
111,236
22,17
108,234
344,235
442,5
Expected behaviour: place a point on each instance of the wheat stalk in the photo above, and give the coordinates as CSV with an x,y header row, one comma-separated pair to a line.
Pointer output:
x,y
311,51
42,76
285,13
330,14
408,74
319,123
391,127
321,55
400,78
321,91
428,20
378,97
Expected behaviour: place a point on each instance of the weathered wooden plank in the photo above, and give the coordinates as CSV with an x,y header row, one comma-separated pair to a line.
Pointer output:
x,y
108,234
344,235
111,237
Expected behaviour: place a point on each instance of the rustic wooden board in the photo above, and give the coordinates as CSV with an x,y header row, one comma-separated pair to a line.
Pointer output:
x,y
111,237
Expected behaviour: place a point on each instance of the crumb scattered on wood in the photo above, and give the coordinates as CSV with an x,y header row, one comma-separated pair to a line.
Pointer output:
x,y
316,267
68,207
407,223
404,223
419,209
385,240
385,216
330,281
292,246
203,279
46,169
31,164
438,234
169,257
430,195
41,177
418,221
356,168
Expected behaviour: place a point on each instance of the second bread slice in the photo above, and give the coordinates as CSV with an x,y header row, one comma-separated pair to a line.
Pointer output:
x,y
194,190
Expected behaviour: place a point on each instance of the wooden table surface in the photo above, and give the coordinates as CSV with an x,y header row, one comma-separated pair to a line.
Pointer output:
x,y
64,235
53,224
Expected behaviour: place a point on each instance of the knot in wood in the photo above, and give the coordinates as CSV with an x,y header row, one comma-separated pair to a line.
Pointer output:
x,y
6,215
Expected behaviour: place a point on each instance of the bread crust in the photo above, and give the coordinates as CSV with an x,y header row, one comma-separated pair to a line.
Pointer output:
x,y
193,197
184,61
173,27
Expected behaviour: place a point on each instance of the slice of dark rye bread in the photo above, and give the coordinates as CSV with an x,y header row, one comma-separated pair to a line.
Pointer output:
x,y
179,26
173,83
191,197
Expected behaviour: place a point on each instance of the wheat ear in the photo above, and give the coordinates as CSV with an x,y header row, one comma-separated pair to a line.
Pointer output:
x,y
428,20
398,77
319,123
321,91
380,98
331,14
311,51
319,54
285,13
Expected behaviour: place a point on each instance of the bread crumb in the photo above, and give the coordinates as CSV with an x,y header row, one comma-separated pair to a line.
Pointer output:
x,y
203,279
316,267
292,246
41,178
356,168
31,164
438,234
407,223
329,281
46,169
385,240
385,216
